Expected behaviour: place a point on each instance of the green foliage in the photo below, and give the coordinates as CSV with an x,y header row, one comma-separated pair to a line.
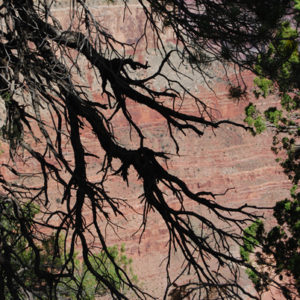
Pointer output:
x,y
265,86
293,190
259,124
280,63
289,103
251,238
251,110
254,278
22,258
6,96
106,268
278,72
281,244
255,119
273,115
13,245
283,241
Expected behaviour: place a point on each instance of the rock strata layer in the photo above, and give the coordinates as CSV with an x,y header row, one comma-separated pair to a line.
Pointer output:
x,y
228,157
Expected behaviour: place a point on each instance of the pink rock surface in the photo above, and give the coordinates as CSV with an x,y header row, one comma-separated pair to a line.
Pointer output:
x,y
228,157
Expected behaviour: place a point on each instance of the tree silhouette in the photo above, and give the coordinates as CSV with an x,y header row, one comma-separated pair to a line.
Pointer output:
x,y
47,109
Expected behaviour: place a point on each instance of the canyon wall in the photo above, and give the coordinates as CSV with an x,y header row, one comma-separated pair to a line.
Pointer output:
x,y
225,158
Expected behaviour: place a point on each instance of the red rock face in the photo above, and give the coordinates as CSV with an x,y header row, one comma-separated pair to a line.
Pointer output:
x,y
228,157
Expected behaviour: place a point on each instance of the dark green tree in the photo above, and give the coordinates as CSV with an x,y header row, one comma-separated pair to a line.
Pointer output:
x,y
17,257
278,73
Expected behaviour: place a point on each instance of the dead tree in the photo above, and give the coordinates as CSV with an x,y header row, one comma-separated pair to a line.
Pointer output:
x,y
179,292
39,77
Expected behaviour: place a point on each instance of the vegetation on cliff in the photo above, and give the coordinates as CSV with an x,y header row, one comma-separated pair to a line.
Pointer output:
x,y
16,254
278,73
48,106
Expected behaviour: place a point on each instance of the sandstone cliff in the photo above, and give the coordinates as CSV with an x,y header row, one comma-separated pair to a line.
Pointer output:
x,y
227,158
